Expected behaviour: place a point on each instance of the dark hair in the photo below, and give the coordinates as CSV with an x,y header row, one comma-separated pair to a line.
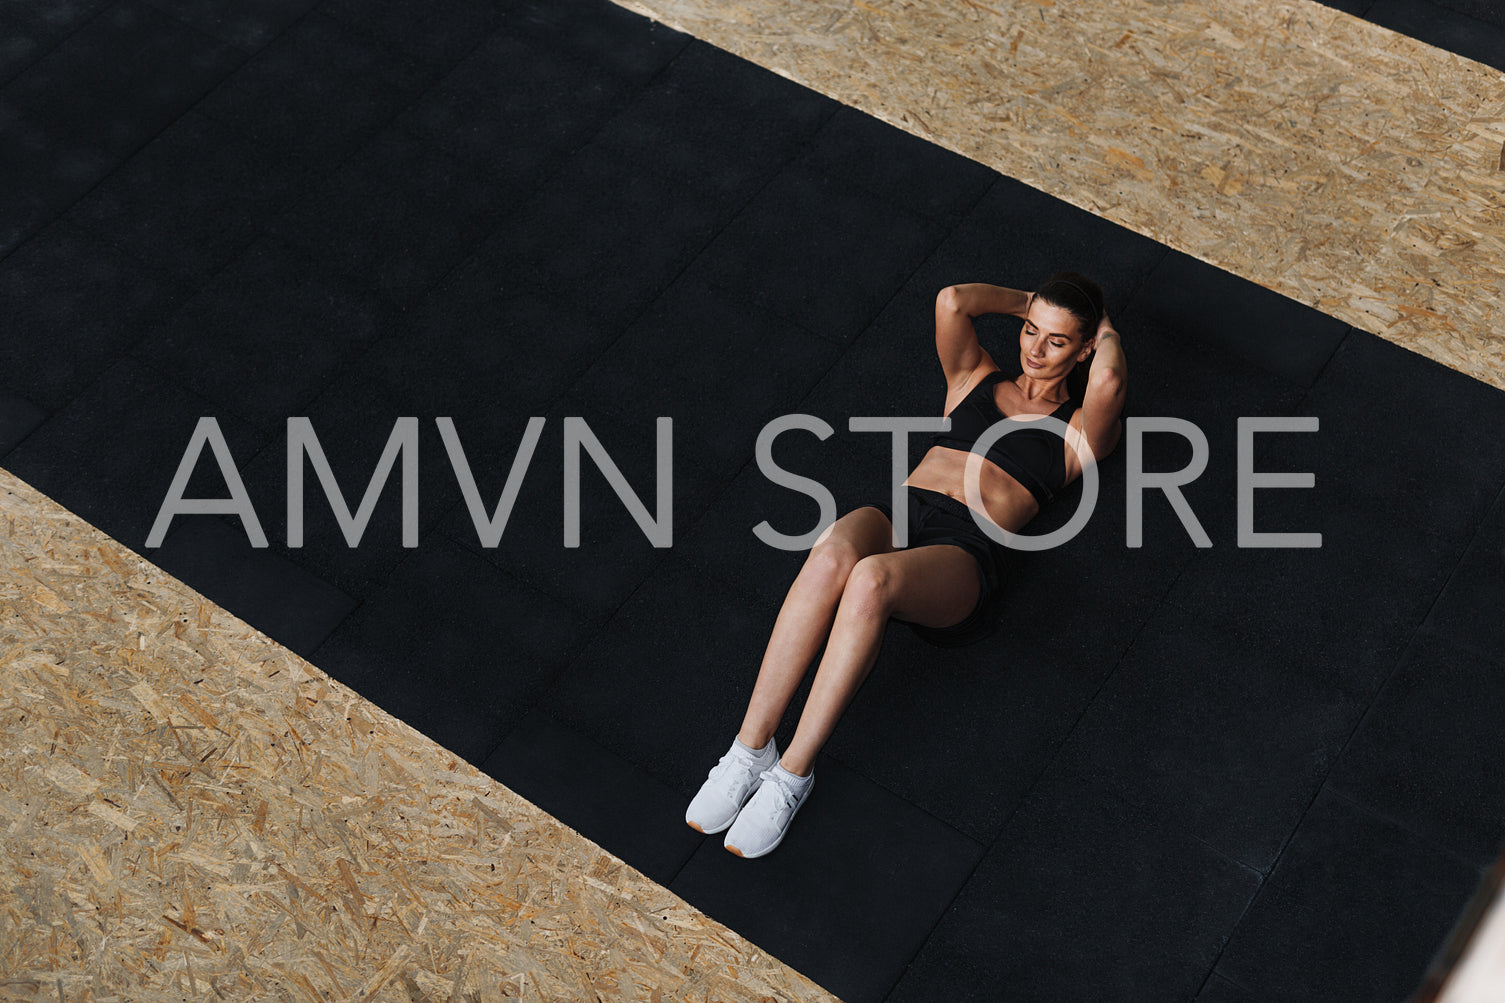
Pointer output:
x,y
1083,299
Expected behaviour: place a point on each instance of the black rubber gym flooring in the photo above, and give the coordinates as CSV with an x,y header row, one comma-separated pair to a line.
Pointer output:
x,y
1173,773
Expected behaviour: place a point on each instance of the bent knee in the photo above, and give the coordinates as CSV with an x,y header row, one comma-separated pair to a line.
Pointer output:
x,y
832,558
872,583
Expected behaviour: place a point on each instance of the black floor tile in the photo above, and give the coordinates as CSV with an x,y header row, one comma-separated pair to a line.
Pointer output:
x,y
111,454
87,103
1422,756
1394,508
891,370
38,178
53,19
719,124
215,557
119,80
850,894
489,351
516,110
627,212
791,251
440,32
1083,897
1261,327
475,351
771,108
1355,910
19,47
74,305
964,733
1354,7
353,420
719,368
900,167
613,229
1392,427
1222,739
615,551
249,24
1345,610
1475,30
190,200
601,796
266,335
1484,10
665,683
317,92
414,649
1017,236
18,416
1220,990
397,215
1467,612
599,32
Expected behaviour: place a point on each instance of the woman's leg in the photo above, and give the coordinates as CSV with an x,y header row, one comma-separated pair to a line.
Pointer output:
x,y
934,586
807,614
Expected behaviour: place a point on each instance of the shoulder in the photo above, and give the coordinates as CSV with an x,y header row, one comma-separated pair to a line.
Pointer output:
x,y
986,372
984,375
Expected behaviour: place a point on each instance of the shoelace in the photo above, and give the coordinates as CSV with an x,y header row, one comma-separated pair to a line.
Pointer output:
x,y
786,798
722,765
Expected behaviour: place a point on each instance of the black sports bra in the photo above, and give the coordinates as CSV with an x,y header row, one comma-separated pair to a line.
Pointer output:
x,y
1035,457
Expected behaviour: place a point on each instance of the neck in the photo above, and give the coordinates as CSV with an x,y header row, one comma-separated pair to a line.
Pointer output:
x,y
1052,391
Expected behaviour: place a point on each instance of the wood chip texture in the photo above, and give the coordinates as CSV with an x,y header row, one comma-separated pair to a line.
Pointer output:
x,y
189,810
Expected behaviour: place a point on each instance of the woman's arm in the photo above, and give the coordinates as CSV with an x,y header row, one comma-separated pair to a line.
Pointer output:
x,y
978,298
1107,381
955,338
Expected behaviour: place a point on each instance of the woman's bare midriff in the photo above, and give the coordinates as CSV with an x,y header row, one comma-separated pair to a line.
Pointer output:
x,y
1005,501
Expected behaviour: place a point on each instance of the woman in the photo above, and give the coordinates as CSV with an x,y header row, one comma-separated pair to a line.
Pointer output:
x,y
945,582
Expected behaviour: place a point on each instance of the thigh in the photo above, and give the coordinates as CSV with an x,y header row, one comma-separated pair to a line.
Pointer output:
x,y
934,585
865,530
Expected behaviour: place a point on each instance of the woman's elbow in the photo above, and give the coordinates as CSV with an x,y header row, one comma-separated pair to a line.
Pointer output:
x,y
1105,384
949,300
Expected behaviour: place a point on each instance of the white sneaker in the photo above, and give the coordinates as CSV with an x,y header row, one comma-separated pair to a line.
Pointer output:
x,y
761,824
728,786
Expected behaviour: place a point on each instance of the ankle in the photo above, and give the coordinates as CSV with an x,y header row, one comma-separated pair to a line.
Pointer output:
x,y
756,746
799,769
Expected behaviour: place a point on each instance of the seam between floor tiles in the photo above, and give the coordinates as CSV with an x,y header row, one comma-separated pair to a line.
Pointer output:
x,y
543,180
1497,504
57,44
245,57
392,308
1442,849
1034,785
1417,634
1306,811
191,289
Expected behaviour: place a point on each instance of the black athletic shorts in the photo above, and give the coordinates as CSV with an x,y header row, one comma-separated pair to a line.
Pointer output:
x,y
938,518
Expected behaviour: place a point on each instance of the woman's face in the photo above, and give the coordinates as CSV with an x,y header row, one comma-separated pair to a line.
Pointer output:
x,y
1051,342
